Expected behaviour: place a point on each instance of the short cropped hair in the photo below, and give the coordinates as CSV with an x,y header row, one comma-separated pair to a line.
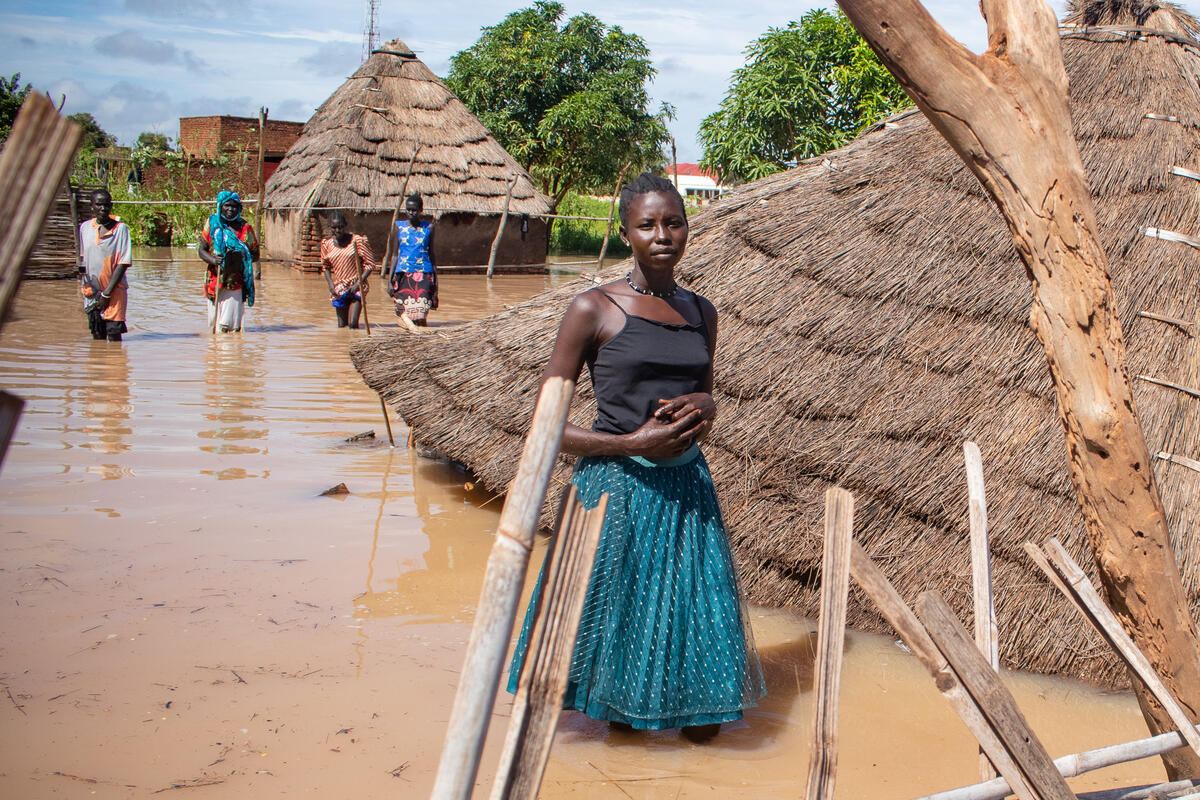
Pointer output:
x,y
644,184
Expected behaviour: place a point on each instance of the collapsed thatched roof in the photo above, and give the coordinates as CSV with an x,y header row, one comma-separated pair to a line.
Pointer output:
x,y
355,151
874,315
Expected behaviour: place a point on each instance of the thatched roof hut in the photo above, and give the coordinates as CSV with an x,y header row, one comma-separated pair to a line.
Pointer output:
x,y
355,152
874,315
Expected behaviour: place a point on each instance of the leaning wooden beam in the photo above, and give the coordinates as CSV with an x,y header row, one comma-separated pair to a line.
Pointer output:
x,y
987,634
1087,601
1172,790
902,619
831,637
36,155
1073,765
502,584
993,698
1005,112
543,680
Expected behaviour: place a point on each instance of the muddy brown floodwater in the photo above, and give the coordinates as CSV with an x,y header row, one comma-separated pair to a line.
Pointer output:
x,y
182,612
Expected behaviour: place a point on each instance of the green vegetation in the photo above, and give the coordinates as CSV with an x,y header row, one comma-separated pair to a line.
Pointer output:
x,y
569,103
585,236
152,142
94,137
806,88
11,97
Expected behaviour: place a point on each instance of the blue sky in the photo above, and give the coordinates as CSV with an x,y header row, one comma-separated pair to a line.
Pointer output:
x,y
141,64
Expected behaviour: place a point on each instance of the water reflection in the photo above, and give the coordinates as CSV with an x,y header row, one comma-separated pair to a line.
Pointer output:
x,y
106,399
233,388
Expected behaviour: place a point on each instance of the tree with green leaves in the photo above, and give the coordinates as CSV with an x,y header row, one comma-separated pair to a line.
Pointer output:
x,y
806,88
152,142
11,97
569,102
94,137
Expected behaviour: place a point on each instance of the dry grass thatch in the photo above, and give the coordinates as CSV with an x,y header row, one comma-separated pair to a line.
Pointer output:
x,y
874,315
355,151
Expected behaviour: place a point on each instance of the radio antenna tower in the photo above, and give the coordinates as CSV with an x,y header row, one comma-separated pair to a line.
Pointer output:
x,y
370,29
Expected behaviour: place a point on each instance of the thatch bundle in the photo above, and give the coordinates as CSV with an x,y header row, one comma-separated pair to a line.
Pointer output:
x,y
874,315
355,151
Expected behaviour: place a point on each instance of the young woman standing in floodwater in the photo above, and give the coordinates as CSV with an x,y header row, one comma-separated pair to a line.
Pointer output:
x,y
664,640
230,248
412,283
346,259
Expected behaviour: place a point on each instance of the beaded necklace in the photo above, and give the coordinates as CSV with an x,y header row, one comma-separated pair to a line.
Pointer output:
x,y
642,290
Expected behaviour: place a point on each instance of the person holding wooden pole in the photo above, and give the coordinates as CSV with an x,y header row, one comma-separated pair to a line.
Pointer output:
x,y
229,247
346,261
412,279
664,640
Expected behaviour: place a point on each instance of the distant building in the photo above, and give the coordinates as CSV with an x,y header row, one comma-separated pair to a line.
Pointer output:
x,y
204,137
696,184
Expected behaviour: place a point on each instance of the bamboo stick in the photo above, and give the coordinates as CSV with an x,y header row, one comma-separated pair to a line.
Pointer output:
x,y
831,636
387,421
36,156
1073,765
543,680
388,251
512,182
502,584
1087,601
987,635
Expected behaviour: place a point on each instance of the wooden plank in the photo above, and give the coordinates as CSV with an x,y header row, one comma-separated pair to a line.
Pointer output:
x,y
831,637
987,634
992,697
502,583
1087,600
902,619
36,156
1072,765
543,680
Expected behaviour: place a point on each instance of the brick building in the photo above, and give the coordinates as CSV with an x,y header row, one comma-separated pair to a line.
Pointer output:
x,y
201,139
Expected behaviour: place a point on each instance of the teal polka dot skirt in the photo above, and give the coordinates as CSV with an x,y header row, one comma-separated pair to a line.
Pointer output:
x,y
664,640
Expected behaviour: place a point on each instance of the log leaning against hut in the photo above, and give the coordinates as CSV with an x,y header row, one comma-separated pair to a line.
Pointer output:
x,y
873,317
357,154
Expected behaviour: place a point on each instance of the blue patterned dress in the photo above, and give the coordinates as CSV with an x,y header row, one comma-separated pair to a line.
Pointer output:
x,y
414,278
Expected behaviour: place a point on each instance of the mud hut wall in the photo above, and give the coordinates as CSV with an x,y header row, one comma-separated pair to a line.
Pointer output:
x,y
280,231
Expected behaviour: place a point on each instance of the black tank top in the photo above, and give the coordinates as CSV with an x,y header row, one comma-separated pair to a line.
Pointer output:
x,y
645,361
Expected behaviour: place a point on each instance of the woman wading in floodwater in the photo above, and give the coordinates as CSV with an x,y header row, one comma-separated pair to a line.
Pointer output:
x,y
664,641
230,248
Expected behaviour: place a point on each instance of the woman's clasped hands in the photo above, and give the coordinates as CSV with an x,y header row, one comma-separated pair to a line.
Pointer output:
x,y
676,425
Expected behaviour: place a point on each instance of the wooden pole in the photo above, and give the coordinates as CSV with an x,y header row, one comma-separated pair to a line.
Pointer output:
x,y
1087,601
1072,765
543,680
387,421
987,635
502,585
512,182
831,636
1006,114
258,202
612,206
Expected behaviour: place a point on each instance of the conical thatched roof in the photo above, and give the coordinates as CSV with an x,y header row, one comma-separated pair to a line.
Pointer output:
x,y
874,315
355,151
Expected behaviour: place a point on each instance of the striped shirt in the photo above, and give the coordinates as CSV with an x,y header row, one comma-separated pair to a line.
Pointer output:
x,y
341,261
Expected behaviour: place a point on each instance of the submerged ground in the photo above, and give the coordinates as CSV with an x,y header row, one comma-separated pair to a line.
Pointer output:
x,y
183,613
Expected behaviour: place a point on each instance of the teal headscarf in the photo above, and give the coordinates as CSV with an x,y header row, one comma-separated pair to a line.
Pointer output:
x,y
225,239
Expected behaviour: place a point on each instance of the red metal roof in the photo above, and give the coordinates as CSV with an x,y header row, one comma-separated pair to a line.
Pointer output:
x,y
692,170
